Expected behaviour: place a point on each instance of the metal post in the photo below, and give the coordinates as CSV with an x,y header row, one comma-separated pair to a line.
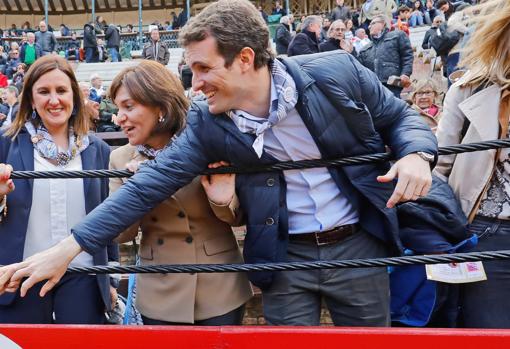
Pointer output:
x,y
46,12
287,5
94,11
188,8
140,23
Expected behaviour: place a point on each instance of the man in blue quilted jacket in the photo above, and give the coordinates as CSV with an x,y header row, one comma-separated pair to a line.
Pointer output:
x,y
261,110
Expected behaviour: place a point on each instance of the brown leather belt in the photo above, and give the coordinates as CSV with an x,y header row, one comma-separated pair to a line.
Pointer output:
x,y
327,237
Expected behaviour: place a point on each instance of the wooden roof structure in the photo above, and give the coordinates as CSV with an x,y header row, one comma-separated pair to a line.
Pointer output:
x,y
65,7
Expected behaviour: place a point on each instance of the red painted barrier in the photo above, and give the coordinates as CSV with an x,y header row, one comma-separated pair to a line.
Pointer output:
x,y
148,337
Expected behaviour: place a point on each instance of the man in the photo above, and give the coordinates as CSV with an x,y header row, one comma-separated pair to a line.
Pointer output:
x,y
156,50
73,47
260,110
389,55
360,39
430,32
11,99
30,50
340,11
326,23
97,91
307,41
282,36
46,39
278,9
336,39
90,43
12,62
112,37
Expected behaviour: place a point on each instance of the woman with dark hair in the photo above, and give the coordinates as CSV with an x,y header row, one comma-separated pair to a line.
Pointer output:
x,y
50,133
417,14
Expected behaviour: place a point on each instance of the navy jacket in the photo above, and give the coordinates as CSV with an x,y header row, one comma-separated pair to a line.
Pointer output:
x,y
347,111
303,43
20,154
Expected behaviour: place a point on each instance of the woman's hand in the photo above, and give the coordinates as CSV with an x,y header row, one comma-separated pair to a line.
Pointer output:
x,y
50,265
220,188
6,183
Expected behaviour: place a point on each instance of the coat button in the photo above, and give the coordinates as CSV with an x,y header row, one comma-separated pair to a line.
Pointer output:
x,y
189,239
270,182
160,241
181,214
270,221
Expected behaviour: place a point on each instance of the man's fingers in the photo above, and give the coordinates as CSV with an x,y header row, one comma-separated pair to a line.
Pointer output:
x,y
5,276
389,176
398,192
47,287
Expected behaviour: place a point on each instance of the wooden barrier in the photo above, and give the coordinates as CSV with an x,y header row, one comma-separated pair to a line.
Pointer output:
x,y
189,337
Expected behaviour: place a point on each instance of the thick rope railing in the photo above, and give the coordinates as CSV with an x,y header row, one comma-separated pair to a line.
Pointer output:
x,y
288,165
289,266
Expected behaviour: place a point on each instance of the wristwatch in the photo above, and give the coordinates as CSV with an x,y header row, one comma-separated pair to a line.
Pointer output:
x,y
426,156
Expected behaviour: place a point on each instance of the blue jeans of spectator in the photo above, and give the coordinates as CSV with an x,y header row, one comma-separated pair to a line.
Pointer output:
x,y
427,18
415,20
354,297
485,304
91,55
114,54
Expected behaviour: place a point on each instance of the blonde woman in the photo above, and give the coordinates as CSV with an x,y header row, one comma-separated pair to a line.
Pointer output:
x,y
477,108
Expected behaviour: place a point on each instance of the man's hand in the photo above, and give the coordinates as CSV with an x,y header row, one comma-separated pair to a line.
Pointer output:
x,y
50,265
414,179
405,80
220,188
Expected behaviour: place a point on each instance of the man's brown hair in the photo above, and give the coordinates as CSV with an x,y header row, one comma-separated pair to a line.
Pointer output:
x,y
235,24
151,84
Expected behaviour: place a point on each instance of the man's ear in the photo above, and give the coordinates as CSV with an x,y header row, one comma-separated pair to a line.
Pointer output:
x,y
246,58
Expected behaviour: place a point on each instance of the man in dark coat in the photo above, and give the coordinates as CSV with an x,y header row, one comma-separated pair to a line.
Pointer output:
x,y
90,43
282,36
112,37
307,41
389,55
260,110
341,11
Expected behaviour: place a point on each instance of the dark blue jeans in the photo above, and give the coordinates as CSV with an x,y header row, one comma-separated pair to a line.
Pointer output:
x,y
485,304
76,299
91,55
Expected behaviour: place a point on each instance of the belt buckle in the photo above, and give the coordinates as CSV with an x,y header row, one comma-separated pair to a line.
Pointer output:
x,y
317,240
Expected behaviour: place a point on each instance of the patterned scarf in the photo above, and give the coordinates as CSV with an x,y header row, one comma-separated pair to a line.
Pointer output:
x,y
43,143
287,99
151,153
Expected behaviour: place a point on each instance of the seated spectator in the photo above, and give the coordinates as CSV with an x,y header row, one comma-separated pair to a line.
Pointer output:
x,y
430,12
91,107
73,48
307,41
97,91
423,98
349,32
17,78
107,113
30,50
101,50
336,38
11,99
324,31
12,63
401,23
3,58
263,14
26,27
417,14
445,8
360,39
168,25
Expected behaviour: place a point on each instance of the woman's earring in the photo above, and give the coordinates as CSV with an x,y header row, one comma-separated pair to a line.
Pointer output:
x,y
161,118
34,114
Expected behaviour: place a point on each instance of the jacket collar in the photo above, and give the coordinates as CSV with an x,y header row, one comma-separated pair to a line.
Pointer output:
x,y
89,161
302,79
482,110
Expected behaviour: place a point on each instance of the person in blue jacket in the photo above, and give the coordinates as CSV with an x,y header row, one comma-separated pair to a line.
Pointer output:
x,y
50,134
260,110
